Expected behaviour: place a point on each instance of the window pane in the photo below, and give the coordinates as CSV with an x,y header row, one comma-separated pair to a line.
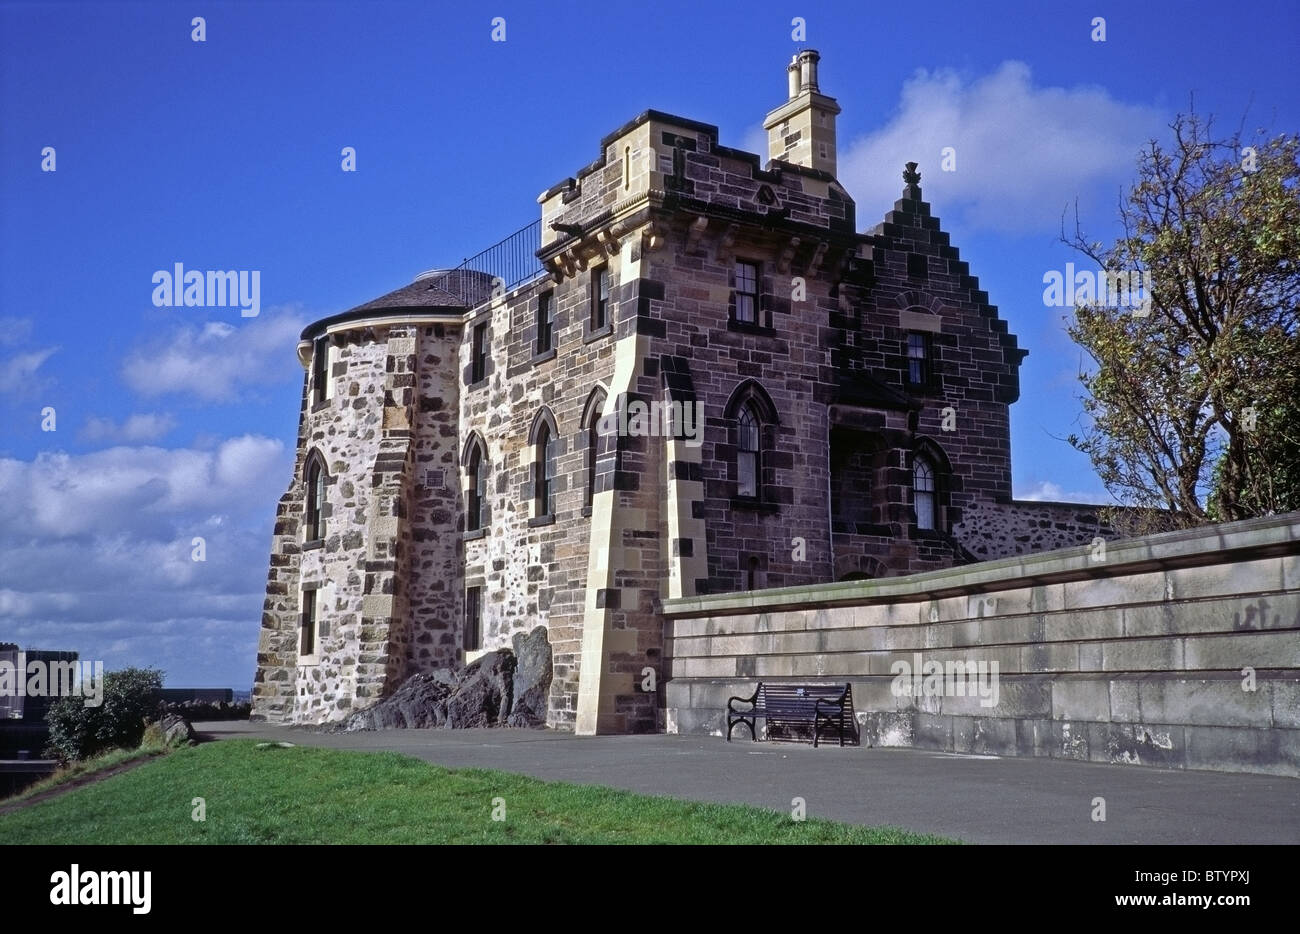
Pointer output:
x,y
746,292
474,517
593,454
924,510
748,431
313,526
747,278
923,497
320,368
473,618
916,358
308,646
545,455
544,322
923,476
600,298
478,365
746,473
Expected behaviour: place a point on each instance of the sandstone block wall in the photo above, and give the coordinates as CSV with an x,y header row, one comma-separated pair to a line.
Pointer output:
x,y
1179,650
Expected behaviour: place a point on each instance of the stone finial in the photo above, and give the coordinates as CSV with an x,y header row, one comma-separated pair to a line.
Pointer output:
x,y
912,179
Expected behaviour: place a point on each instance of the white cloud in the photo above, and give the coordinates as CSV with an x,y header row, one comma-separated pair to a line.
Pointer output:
x,y
14,330
1023,152
1047,491
138,490
96,554
137,428
216,361
19,372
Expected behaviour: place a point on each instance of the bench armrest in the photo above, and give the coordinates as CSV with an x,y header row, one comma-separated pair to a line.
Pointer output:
x,y
836,704
751,700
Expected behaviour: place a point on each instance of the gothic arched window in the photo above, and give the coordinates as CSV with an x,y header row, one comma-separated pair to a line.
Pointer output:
x,y
924,500
476,494
314,514
749,456
545,454
592,419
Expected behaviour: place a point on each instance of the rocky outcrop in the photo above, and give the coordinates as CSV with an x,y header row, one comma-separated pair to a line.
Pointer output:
x,y
485,692
499,688
532,680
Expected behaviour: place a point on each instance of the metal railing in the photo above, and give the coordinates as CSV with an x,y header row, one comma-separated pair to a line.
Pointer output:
x,y
505,265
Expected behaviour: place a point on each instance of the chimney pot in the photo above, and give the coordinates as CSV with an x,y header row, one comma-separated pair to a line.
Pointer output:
x,y
808,70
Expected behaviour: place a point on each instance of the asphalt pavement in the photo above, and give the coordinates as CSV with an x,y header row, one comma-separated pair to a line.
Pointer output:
x,y
979,799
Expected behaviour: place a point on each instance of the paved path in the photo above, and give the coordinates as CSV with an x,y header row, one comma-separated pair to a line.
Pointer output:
x,y
973,798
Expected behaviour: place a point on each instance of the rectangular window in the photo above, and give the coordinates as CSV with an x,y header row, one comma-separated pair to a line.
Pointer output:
x,y
746,292
545,321
917,267
918,359
599,298
307,643
478,362
320,362
473,618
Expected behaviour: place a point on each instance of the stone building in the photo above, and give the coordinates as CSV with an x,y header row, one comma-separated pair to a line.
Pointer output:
x,y
692,375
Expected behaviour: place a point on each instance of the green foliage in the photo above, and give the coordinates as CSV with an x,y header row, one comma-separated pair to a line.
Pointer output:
x,y
1167,398
79,732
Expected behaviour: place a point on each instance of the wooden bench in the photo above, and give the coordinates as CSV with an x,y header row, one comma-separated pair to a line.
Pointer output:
x,y
821,706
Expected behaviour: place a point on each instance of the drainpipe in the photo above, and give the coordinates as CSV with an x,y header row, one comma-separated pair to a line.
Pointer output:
x,y
830,518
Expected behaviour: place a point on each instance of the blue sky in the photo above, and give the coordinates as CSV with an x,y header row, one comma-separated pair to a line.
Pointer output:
x,y
172,423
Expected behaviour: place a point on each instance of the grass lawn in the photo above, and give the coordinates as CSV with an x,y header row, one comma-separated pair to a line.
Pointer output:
x,y
305,795
79,771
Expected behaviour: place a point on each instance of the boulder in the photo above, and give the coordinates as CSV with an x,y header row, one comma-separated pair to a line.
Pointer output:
x,y
485,691
500,688
532,678
420,703
171,730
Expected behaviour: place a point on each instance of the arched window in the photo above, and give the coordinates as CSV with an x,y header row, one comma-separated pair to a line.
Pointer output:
x,y
593,455
545,454
750,409
592,419
749,467
924,500
314,514
477,489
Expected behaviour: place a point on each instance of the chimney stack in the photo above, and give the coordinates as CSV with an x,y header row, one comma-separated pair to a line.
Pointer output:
x,y
802,130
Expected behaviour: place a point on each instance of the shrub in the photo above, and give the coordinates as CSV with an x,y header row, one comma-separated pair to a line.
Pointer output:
x,y
79,732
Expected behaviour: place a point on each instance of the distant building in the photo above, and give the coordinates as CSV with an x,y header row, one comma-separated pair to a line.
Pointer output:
x,y
17,705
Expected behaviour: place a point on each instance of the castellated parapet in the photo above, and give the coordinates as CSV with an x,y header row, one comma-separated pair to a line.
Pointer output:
x,y
467,468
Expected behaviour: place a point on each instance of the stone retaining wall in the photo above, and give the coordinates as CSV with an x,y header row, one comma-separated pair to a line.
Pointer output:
x,y
1178,650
